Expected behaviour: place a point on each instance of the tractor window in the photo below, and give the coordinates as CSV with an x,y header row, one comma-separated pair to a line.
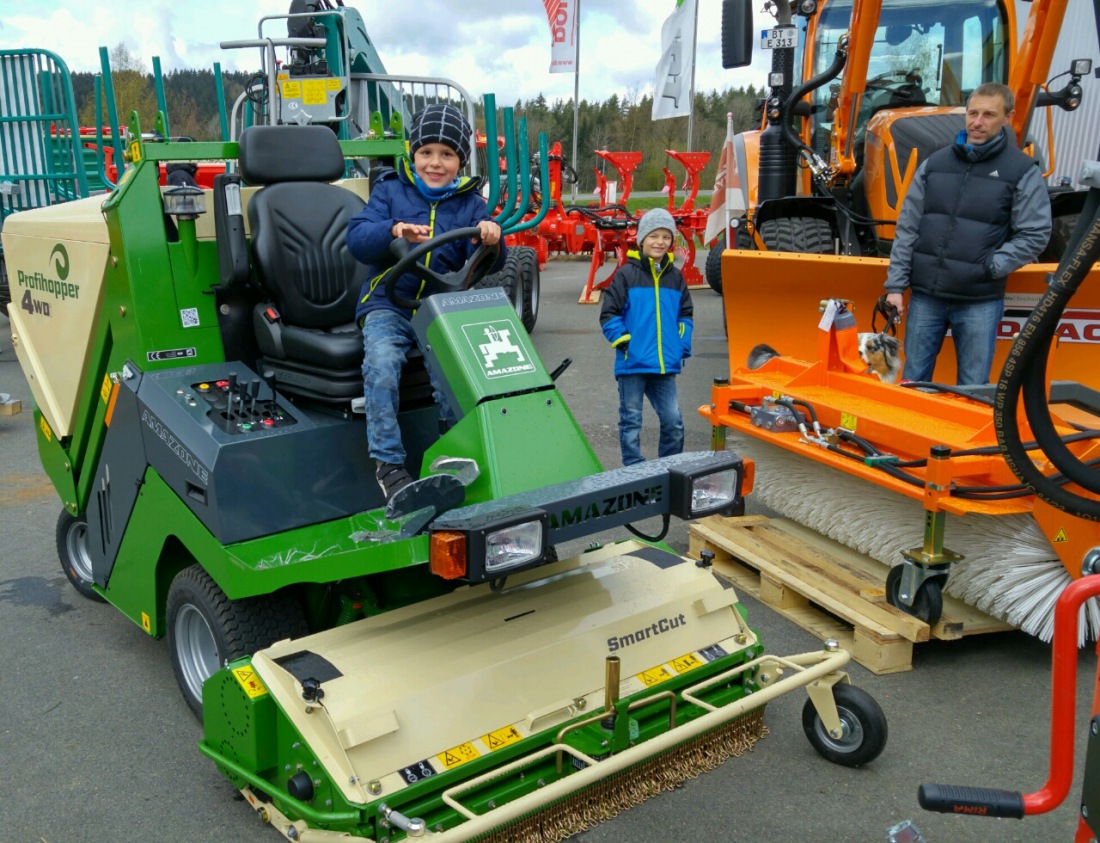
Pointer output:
x,y
926,52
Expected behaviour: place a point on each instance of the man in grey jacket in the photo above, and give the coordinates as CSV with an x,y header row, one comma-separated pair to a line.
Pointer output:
x,y
975,212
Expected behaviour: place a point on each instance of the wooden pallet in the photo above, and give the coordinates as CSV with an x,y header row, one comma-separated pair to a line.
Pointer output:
x,y
827,589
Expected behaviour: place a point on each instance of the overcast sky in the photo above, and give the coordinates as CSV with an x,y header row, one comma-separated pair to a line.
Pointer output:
x,y
499,46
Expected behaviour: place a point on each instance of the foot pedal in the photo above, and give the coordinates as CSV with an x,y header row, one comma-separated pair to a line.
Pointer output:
x,y
437,492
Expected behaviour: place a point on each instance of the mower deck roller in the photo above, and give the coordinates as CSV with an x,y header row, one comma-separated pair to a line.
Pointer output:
x,y
472,710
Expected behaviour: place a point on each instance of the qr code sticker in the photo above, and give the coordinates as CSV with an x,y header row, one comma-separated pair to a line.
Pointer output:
x,y
189,316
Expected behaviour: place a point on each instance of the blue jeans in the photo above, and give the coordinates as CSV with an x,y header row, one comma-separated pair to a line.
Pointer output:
x,y
661,392
388,338
973,326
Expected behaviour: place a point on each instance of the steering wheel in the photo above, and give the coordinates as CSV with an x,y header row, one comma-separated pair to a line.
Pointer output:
x,y
891,80
408,255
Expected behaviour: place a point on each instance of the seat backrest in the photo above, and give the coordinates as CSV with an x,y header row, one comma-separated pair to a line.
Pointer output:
x,y
299,221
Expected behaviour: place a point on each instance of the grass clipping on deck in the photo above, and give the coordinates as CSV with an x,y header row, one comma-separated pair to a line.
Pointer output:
x,y
636,784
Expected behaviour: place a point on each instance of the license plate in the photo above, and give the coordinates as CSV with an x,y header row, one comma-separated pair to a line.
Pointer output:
x,y
780,37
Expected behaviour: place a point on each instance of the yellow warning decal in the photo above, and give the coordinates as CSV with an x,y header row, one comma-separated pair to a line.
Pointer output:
x,y
313,92
292,90
1060,536
251,683
501,737
686,663
146,622
458,755
334,84
105,390
45,429
848,421
654,676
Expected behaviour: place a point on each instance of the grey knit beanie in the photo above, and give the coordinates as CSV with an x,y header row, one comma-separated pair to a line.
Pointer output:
x,y
441,123
652,220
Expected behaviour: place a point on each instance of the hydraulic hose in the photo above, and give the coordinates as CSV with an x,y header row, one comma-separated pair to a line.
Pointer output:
x,y
831,72
1023,378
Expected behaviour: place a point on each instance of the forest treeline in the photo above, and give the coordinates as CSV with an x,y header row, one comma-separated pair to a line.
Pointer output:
x,y
619,123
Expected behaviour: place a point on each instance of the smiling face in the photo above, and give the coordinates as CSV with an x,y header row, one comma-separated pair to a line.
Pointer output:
x,y
436,164
985,117
657,243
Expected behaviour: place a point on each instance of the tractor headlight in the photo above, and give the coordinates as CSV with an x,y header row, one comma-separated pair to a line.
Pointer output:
x,y
488,550
695,494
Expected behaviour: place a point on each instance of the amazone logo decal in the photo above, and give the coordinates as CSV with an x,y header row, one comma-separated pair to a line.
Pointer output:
x,y
61,265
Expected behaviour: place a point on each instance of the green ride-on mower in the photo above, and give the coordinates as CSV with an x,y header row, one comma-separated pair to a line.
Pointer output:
x,y
427,668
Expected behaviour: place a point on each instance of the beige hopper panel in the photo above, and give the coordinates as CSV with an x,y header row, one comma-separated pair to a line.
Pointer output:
x,y
435,681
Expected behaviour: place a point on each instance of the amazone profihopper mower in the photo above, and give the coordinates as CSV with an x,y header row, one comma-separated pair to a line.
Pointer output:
x,y
424,668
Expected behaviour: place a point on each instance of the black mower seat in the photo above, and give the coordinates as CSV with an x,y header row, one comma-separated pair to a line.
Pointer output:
x,y
298,220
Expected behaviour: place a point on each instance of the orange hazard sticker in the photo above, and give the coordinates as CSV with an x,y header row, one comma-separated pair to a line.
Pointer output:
x,y
501,737
1060,536
251,683
458,755
686,663
654,676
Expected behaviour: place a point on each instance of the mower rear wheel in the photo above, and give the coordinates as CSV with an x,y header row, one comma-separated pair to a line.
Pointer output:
x,y
529,265
206,629
72,550
928,605
862,724
5,287
510,278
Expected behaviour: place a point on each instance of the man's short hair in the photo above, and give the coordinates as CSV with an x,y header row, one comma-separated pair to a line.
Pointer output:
x,y
995,89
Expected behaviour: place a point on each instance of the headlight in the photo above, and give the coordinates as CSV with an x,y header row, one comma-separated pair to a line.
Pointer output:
x,y
476,552
697,494
512,546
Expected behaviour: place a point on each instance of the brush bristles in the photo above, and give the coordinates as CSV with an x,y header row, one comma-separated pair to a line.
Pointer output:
x,y
1010,571
634,785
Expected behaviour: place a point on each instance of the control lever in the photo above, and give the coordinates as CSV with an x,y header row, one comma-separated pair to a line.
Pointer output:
x,y
230,413
565,364
255,392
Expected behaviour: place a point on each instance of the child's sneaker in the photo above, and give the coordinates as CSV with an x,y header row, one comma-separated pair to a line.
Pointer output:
x,y
392,477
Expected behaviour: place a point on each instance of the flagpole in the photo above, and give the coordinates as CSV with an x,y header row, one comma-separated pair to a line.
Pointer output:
x,y
691,87
577,84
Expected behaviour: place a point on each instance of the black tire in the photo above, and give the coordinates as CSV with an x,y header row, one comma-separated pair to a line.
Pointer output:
x,y
206,629
863,724
529,265
713,266
72,550
509,278
928,606
807,235
1061,233
5,288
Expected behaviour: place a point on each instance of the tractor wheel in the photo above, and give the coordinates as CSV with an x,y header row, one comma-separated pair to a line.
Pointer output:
x,y
72,550
808,235
713,268
509,278
1061,233
862,724
5,288
529,264
206,629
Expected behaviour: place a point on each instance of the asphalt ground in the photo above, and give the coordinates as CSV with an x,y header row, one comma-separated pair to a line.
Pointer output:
x,y
98,744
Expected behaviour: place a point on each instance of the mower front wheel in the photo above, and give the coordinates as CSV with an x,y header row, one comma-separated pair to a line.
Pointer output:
x,y
206,629
509,278
72,550
862,725
928,604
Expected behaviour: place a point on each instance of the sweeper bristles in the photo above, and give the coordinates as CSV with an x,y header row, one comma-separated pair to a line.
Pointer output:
x,y
1010,572
636,784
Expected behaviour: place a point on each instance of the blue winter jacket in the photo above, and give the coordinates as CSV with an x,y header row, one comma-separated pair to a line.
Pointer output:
x,y
394,198
647,316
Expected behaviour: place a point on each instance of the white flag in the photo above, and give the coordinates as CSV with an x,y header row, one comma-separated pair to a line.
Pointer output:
x,y
562,16
671,97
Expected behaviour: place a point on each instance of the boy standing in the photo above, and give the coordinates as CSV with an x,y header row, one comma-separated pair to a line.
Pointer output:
x,y
646,315
415,202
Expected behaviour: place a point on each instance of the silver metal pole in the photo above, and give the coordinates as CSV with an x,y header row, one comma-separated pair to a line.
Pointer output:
x,y
691,87
576,85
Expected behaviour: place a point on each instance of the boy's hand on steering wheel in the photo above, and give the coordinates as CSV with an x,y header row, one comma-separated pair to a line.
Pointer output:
x,y
411,231
490,232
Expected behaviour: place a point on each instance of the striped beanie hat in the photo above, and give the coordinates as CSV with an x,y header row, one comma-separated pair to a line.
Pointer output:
x,y
441,123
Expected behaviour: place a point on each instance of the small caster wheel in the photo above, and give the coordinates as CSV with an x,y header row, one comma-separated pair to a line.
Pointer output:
x,y
928,605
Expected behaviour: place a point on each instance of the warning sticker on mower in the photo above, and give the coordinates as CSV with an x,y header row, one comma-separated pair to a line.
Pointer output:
x,y
251,683
686,663
416,772
501,738
458,755
654,676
